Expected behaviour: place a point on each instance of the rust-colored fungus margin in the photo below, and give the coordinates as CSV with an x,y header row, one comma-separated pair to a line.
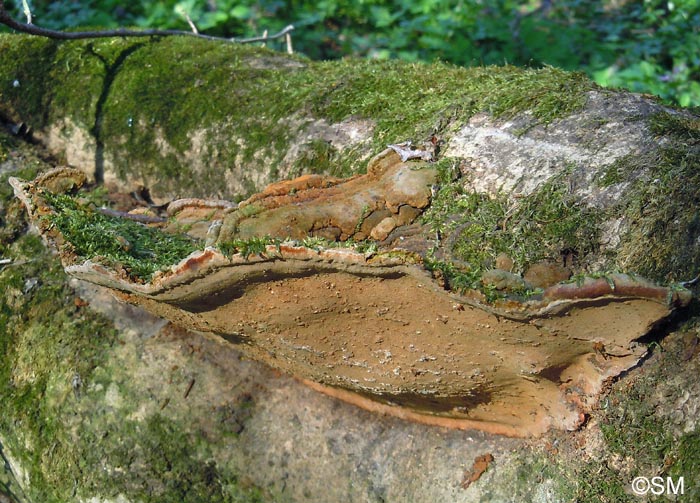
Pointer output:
x,y
373,327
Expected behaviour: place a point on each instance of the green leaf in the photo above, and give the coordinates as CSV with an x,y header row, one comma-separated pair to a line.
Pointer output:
x,y
240,12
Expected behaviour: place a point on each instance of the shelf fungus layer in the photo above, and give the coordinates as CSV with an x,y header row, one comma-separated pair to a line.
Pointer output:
x,y
367,324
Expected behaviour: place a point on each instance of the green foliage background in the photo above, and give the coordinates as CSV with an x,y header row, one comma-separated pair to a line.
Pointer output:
x,y
649,46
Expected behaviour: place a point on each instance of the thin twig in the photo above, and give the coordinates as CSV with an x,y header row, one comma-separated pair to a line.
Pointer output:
x,y
282,33
27,11
32,29
181,10
691,283
189,388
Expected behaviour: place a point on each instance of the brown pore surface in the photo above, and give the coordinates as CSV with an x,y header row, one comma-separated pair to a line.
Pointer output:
x,y
420,354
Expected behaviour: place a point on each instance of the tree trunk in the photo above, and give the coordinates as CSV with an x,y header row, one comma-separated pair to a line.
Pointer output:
x,y
539,169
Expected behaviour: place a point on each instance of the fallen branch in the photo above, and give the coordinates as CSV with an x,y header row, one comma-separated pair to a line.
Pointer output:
x,y
32,29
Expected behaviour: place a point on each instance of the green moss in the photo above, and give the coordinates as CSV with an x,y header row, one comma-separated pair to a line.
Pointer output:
x,y
411,100
10,490
258,245
595,482
664,229
643,436
680,126
141,250
619,170
55,356
12,221
366,246
662,236
317,243
177,466
45,340
319,157
238,104
249,210
447,169
24,90
536,475
6,143
475,228
687,464
635,431
247,247
532,472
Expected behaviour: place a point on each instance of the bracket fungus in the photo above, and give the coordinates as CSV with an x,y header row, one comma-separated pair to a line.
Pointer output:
x,y
289,276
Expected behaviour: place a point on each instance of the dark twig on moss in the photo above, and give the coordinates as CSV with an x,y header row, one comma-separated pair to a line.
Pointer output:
x,y
32,29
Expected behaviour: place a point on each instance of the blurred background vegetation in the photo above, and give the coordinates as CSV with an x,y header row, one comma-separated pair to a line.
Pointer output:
x,y
648,46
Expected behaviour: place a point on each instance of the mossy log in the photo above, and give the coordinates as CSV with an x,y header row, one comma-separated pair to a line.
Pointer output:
x,y
536,168
193,118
